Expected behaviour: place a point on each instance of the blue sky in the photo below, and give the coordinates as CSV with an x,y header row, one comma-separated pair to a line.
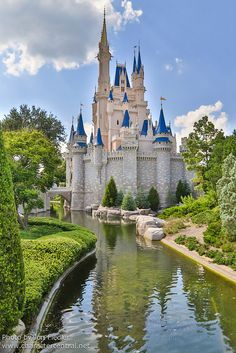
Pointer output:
x,y
188,50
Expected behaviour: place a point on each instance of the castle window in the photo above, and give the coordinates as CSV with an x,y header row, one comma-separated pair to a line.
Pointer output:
x,y
122,89
122,82
117,122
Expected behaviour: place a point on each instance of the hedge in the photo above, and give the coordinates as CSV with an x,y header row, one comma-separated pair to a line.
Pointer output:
x,y
47,257
12,288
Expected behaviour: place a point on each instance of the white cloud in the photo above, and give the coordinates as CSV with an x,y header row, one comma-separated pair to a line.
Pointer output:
x,y
88,128
214,112
61,33
177,66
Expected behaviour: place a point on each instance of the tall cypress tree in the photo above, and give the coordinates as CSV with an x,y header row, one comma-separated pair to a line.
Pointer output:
x,y
12,286
110,195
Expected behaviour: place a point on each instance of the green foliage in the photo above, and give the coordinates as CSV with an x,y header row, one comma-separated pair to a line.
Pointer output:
x,y
182,190
190,207
110,194
119,198
33,161
153,199
213,234
128,203
200,144
173,226
226,188
141,200
12,287
35,119
207,216
47,257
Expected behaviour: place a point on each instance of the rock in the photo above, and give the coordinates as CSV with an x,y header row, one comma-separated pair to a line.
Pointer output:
x,y
113,213
128,214
10,344
94,206
88,209
133,218
153,233
144,211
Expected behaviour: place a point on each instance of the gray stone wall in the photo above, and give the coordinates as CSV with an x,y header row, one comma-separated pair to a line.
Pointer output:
x,y
146,173
177,172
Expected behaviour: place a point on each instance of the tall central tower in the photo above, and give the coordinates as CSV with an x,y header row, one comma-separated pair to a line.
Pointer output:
x,y
100,117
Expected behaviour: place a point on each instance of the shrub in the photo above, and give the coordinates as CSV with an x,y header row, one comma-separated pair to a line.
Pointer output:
x,y
227,247
110,195
128,203
173,226
182,190
181,240
213,234
207,217
119,198
12,287
226,194
141,200
153,198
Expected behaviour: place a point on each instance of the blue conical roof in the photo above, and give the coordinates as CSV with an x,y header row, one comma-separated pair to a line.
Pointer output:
x,y
72,132
99,141
139,62
125,99
91,138
162,139
162,129
110,97
134,64
144,128
80,127
126,119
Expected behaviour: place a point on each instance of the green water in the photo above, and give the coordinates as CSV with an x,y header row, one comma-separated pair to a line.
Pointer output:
x,y
140,297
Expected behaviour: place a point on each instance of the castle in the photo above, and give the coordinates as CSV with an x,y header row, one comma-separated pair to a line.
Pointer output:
x,y
125,143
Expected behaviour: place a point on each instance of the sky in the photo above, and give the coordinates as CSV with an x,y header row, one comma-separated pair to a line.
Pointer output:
x,y
188,48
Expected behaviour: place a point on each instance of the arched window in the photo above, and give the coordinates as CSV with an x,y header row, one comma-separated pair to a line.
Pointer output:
x,y
117,122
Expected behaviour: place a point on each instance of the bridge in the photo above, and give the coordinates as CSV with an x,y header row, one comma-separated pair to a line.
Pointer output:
x,y
62,191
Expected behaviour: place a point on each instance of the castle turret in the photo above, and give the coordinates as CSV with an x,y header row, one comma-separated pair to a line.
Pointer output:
x,y
79,149
98,163
162,147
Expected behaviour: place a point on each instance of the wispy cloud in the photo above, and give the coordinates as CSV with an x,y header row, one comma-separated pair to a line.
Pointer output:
x,y
176,65
61,33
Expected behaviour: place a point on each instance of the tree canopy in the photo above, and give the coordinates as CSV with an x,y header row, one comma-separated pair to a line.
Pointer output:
x,y
34,119
33,161
110,194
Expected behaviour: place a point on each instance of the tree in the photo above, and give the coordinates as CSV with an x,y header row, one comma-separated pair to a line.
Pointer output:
x,y
153,198
35,119
182,190
221,149
199,148
226,189
110,195
12,288
33,161
128,203
141,200
119,198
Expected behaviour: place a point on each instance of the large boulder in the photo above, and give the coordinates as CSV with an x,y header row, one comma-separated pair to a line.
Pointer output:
x,y
113,213
153,233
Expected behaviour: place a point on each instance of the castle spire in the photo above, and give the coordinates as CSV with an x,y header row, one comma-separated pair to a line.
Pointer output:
x,y
72,131
134,63
99,141
162,129
104,40
80,126
139,66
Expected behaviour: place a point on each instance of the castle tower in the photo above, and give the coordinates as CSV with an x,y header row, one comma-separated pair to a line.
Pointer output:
x,y
79,149
100,118
98,163
162,147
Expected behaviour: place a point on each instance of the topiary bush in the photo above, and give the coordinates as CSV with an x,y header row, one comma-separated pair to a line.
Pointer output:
x,y
141,200
12,286
119,198
153,198
110,194
182,190
128,203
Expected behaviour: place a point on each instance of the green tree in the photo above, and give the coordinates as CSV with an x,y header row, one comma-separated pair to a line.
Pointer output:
x,y
110,195
153,198
33,161
128,203
182,190
12,287
119,198
221,149
35,119
226,189
141,200
199,146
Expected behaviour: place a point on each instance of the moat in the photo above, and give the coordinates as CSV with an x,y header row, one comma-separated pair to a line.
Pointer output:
x,y
135,297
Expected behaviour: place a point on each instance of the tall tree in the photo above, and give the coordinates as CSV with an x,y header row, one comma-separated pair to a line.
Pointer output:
x,y
110,194
154,199
226,189
33,161
35,119
200,145
12,288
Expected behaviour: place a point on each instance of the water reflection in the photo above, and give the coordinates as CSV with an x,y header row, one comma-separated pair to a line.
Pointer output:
x,y
140,297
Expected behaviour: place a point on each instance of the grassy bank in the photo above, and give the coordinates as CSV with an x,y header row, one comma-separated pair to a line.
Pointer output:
x,y
49,248
196,225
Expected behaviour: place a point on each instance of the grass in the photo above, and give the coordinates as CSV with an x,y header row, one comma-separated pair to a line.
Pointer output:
x,y
174,225
49,248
